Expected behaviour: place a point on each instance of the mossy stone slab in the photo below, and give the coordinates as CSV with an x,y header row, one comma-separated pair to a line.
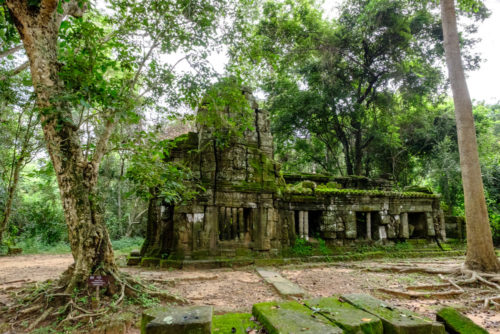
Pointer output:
x,y
176,320
232,323
395,320
349,318
291,317
457,323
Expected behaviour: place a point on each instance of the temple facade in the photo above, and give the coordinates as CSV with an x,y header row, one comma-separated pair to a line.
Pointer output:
x,y
247,205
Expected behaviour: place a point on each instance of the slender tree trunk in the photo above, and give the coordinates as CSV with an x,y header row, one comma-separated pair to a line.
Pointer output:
x,y
480,251
10,197
76,176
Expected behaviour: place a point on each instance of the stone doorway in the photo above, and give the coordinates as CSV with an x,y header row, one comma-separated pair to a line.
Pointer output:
x,y
417,225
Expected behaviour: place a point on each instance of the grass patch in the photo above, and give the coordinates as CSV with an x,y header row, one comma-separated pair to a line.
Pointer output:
x,y
126,245
35,246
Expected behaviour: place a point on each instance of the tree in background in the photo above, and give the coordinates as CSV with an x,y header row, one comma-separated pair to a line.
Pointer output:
x,y
480,251
335,81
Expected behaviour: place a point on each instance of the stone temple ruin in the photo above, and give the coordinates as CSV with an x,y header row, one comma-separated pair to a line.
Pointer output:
x,y
248,206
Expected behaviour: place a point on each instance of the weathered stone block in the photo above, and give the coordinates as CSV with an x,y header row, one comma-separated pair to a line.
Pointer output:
x,y
457,323
395,320
176,320
133,260
346,316
291,317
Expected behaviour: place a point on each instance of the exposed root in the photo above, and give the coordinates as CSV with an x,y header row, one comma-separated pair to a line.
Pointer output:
x,y
42,303
458,277
40,319
411,294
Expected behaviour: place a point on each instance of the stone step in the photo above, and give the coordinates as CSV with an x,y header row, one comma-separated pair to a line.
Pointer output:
x,y
176,320
457,323
395,320
346,316
292,317
284,287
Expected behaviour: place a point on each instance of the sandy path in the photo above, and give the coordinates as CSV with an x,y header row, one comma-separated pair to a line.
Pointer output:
x,y
229,290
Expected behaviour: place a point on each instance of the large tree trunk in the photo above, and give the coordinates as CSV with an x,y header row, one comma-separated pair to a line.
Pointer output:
x,y
76,176
480,251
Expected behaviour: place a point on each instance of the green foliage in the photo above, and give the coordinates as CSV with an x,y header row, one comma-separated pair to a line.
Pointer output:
x,y
152,175
126,245
301,247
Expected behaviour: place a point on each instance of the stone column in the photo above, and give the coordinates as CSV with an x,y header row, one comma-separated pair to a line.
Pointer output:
x,y
430,224
301,224
229,225
368,226
405,231
306,225
234,217
241,223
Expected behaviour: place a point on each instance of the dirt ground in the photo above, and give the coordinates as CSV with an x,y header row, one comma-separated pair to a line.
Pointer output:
x,y
230,290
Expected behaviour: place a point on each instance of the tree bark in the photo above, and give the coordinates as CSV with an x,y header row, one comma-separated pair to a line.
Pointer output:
x,y
160,229
480,252
76,176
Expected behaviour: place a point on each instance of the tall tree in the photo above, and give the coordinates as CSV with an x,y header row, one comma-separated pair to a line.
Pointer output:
x,y
334,79
99,74
480,251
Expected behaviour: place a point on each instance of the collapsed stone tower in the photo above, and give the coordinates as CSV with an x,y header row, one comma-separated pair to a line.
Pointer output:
x,y
244,204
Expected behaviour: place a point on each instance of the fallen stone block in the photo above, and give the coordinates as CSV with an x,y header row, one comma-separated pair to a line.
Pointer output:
x,y
176,320
291,317
457,323
395,320
283,286
133,261
346,316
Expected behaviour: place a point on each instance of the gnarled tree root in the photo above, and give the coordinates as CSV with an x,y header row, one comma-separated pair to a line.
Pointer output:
x,y
52,297
460,276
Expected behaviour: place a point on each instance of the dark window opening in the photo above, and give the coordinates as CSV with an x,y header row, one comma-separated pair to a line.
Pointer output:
x,y
375,225
417,225
315,223
297,228
361,225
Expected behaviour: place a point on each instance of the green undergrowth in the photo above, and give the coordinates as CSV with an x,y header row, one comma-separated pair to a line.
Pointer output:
x,y
35,246
126,245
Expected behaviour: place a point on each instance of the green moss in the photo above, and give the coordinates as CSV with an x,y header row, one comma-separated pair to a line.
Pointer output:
x,y
349,318
291,317
233,323
150,261
455,322
269,262
324,191
177,264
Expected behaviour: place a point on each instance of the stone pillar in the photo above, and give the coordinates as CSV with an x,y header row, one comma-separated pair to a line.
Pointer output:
x,y
229,226
430,225
368,226
405,231
221,218
241,223
301,224
306,225
234,217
